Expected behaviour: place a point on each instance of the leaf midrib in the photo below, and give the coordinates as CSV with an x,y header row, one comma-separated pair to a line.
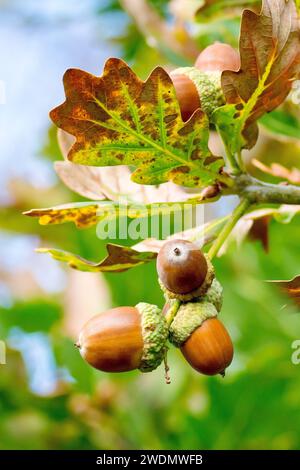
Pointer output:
x,y
141,137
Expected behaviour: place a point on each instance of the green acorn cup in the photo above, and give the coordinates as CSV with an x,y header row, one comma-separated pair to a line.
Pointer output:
x,y
202,338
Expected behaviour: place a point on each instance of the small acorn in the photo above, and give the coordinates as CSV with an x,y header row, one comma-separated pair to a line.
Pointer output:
x,y
125,338
200,86
184,271
202,338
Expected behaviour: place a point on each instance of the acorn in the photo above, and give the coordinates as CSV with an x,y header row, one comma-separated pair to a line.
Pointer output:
x,y
184,271
218,57
202,338
200,86
186,92
125,338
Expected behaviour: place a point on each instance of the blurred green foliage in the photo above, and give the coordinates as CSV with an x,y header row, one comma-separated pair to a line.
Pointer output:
x,y
255,406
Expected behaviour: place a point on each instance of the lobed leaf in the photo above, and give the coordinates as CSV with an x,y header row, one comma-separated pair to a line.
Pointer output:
x,y
270,61
110,182
119,259
119,120
82,214
87,214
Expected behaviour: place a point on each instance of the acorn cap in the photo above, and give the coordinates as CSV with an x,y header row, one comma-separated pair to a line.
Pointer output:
x,y
208,85
189,317
214,295
155,333
199,292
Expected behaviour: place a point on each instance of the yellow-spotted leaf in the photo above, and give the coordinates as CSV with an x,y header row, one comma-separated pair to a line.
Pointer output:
x,y
119,258
87,214
118,119
82,214
270,61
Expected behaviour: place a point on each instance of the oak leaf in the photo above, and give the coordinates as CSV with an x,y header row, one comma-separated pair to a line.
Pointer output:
x,y
87,214
82,214
270,61
119,258
118,119
110,182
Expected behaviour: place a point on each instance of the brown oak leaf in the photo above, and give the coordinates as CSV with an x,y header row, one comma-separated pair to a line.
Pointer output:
x,y
270,61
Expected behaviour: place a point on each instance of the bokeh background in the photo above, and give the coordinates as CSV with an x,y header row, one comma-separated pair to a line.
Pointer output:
x,y
49,398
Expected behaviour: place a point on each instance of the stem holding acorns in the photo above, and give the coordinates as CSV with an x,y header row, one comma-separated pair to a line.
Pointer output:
x,y
172,311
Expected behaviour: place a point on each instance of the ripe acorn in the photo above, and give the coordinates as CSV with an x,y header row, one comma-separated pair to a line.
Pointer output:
x,y
186,92
184,271
202,338
218,57
125,338
200,86
209,349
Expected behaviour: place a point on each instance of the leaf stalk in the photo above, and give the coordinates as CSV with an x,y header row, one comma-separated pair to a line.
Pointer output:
x,y
238,212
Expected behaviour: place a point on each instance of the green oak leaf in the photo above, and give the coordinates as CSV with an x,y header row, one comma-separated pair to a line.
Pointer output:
x,y
119,258
118,119
270,61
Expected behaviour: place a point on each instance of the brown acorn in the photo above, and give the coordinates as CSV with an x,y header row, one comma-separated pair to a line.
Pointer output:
x,y
187,94
218,57
201,337
209,349
215,58
181,266
124,338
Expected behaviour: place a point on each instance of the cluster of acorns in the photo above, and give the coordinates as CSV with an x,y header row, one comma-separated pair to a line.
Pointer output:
x,y
127,338
200,86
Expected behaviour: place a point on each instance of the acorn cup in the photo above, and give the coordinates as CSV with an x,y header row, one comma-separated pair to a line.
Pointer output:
x,y
200,86
202,338
125,338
